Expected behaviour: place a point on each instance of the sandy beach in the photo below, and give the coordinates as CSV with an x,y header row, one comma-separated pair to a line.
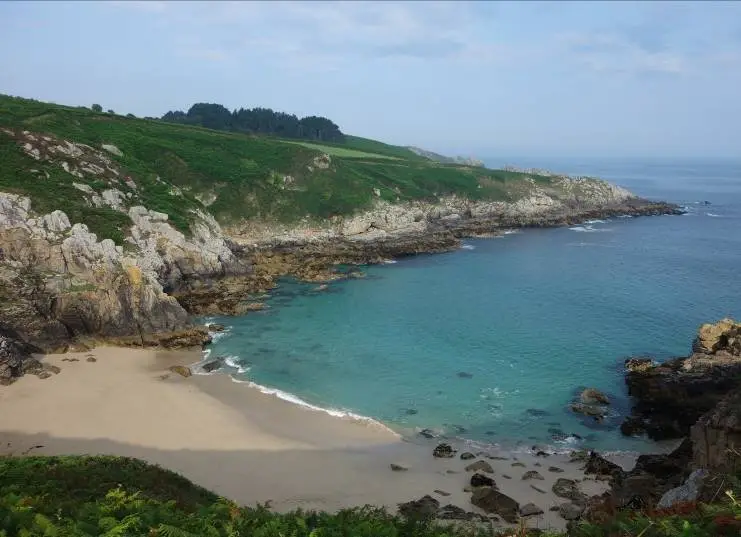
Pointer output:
x,y
243,444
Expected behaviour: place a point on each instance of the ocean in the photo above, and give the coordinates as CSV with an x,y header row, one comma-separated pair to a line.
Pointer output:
x,y
492,342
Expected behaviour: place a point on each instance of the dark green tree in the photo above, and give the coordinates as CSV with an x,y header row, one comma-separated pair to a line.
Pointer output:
x,y
96,108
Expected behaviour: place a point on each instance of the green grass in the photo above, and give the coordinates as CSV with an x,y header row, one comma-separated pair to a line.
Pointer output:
x,y
249,176
343,152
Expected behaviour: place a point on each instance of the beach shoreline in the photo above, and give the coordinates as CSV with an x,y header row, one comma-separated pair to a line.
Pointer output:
x,y
245,445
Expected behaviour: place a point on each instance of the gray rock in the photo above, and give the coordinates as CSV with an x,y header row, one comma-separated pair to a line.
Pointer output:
x,y
493,501
555,469
467,456
592,396
567,488
443,451
686,492
571,511
398,467
480,466
530,509
480,480
425,507
532,474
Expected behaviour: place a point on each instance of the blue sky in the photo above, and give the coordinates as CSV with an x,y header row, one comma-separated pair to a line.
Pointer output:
x,y
485,78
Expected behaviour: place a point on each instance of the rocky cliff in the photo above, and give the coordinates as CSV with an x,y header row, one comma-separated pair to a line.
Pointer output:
x,y
118,229
60,283
670,397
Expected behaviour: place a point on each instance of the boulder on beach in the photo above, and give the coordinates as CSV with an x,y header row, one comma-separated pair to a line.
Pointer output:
x,y
480,466
493,501
480,480
182,370
425,507
467,456
568,488
532,474
571,511
530,509
443,451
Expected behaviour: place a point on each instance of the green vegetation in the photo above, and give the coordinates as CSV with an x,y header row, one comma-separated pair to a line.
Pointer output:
x,y
85,496
113,496
238,176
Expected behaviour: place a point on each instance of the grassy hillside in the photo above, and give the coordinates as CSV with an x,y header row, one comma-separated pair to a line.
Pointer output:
x,y
81,496
235,175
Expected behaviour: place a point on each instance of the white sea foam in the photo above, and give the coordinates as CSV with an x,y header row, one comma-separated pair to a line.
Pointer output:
x,y
233,361
589,229
294,399
512,232
389,261
216,336
625,216
592,222
468,247
714,215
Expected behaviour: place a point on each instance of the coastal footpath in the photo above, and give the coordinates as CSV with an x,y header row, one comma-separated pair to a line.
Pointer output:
x,y
118,230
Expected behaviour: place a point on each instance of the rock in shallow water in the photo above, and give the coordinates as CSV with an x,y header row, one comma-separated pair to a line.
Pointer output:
x,y
592,396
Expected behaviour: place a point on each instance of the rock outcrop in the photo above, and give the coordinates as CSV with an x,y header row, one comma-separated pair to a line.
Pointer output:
x,y
716,437
60,284
670,397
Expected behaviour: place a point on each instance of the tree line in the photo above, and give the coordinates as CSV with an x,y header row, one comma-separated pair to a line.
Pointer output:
x,y
258,121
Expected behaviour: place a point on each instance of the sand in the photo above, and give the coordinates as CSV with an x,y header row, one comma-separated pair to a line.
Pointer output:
x,y
243,444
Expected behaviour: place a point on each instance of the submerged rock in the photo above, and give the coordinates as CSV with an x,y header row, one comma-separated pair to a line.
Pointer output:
x,y
592,396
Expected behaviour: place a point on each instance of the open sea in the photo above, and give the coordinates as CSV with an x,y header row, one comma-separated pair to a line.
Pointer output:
x,y
490,343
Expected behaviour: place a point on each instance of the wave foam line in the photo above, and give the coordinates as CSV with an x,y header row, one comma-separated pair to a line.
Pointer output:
x,y
296,400
468,247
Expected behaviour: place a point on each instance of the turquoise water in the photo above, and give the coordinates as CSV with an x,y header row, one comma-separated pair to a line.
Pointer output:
x,y
492,342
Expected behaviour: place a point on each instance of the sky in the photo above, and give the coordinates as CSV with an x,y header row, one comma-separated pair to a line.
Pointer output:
x,y
613,79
